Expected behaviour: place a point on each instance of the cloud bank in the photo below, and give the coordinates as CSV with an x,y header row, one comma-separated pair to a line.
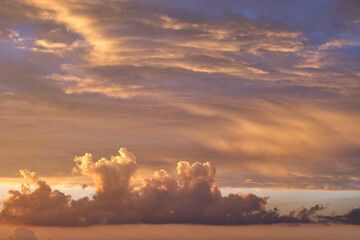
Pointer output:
x,y
352,217
191,198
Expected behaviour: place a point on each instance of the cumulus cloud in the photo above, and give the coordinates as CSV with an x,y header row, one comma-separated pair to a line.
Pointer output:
x,y
22,234
191,198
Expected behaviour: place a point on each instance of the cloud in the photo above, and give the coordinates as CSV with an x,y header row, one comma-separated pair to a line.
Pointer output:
x,y
256,88
306,213
352,217
193,198
341,43
22,234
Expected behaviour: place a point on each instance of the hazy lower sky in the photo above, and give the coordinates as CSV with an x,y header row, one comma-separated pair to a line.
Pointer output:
x,y
207,101
180,232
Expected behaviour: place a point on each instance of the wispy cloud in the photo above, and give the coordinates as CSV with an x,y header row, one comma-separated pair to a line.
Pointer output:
x,y
251,87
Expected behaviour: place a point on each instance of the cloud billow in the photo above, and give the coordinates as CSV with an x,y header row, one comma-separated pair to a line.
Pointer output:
x,y
193,198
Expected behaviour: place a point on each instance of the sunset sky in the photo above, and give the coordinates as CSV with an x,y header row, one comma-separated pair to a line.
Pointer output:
x,y
166,111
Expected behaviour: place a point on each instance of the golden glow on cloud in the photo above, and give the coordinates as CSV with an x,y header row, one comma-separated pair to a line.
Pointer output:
x,y
265,99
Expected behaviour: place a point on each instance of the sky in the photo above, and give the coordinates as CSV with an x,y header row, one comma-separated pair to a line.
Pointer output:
x,y
193,112
179,232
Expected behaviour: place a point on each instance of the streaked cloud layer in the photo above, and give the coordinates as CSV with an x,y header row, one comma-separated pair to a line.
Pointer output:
x,y
266,92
